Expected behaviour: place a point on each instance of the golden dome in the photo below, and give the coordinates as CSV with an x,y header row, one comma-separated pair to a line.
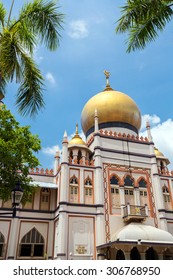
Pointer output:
x,y
114,108
77,140
160,155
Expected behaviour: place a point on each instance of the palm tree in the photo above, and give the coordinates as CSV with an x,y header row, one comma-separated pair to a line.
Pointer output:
x,y
38,22
143,19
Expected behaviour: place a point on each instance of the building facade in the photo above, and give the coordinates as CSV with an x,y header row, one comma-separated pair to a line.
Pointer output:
x,y
109,197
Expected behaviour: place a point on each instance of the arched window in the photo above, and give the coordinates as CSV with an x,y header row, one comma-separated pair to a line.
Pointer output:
x,y
167,198
129,190
128,181
134,254
88,191
142,183
79,156
74,190
32,244
45,199
114,180
143,192
120,255
74,180
151,254
2,245
114,193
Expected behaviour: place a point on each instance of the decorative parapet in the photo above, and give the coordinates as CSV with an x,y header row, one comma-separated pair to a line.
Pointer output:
x,y
110,133
165,172
124,136
90,140
83,162
41,171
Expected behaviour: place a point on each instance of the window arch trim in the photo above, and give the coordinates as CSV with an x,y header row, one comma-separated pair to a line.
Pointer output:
x,y
139,180
117,177
131,178
32,245
74,180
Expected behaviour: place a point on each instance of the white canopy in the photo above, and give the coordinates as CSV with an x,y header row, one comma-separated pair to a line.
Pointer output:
x,y
45,184
142,233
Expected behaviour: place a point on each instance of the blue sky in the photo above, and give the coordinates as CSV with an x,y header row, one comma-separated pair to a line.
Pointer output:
x,y
74,73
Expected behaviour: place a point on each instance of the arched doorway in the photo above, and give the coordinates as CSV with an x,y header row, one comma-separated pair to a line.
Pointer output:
x,y
151,254
134,254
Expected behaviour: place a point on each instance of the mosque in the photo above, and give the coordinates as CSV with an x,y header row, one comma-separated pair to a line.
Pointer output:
x,y
109,197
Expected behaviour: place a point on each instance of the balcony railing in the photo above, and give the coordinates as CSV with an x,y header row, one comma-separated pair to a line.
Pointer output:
x,y
135,213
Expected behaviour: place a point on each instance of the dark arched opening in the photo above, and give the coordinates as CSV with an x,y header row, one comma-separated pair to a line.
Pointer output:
x,y
134,254
120,255
151,254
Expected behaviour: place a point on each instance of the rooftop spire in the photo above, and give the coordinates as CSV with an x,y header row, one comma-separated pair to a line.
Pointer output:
x,y
77,132
149,131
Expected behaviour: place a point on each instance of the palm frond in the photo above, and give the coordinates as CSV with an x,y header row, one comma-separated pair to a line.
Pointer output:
x,y
25,35
44,20
3,84
30,97
143,20
2,15
9,62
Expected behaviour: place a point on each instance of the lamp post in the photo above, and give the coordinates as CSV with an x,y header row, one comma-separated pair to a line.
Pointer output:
x,y
16,196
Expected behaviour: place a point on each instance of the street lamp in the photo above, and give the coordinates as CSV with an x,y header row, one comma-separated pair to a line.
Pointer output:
x,y
16,197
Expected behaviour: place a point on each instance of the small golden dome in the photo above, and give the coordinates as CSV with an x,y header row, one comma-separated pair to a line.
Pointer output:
x,y
160,155
77,140
114,108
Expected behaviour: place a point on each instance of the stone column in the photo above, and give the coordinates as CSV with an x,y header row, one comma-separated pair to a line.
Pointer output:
x,y
61,243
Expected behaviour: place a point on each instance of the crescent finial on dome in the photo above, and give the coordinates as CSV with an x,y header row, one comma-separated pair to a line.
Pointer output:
x,y
107,74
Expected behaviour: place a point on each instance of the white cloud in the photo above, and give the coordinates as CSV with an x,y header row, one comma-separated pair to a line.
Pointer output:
x,y
51,151
50,78
78,29
162,133
153,120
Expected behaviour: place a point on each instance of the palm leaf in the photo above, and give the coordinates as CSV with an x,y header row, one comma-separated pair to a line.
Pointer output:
x,y
2,16
29,97
9,62
43,19
143,20
25,35
38,21
3,84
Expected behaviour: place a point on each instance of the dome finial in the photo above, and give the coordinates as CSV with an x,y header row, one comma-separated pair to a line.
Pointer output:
x,y
107,74
77,129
